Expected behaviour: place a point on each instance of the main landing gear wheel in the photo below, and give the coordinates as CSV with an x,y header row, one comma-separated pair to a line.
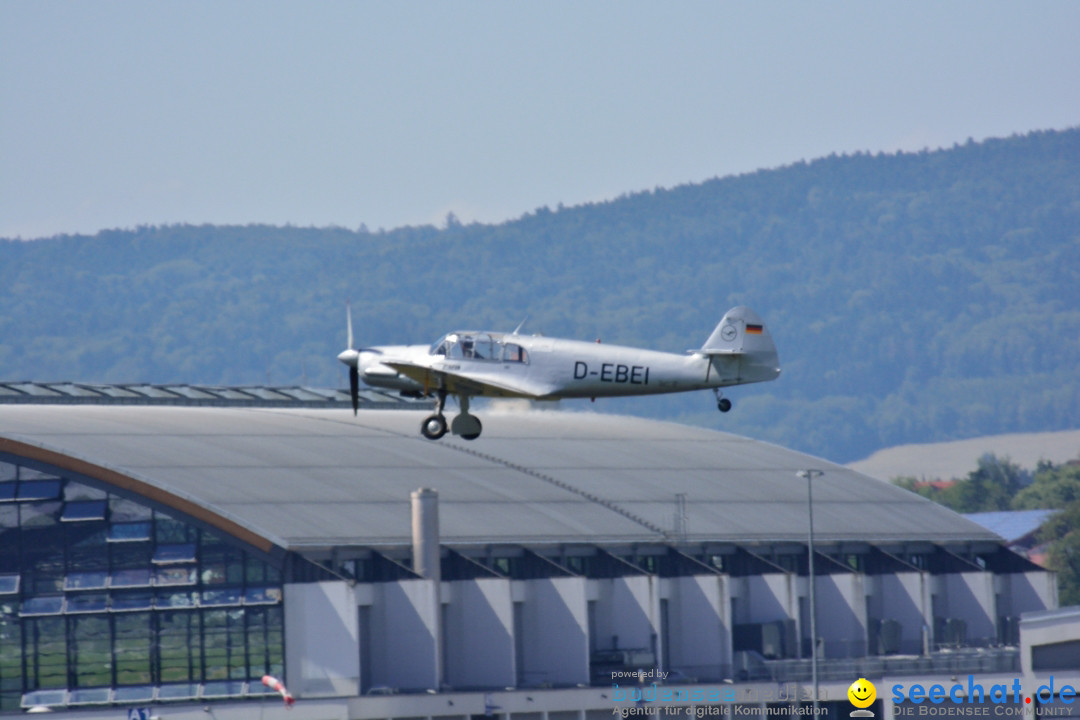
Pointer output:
x,y
722,403
433,427
476,434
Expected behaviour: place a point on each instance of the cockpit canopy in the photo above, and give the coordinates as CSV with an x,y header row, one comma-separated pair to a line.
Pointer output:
x,y
484,346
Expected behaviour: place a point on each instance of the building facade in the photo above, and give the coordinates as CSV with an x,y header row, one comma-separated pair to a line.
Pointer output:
x,y
169,558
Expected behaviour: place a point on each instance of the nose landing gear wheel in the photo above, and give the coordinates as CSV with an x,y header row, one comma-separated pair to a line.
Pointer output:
x,y
433,427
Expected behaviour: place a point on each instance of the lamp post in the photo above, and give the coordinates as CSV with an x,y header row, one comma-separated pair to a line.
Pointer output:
x,y
810,475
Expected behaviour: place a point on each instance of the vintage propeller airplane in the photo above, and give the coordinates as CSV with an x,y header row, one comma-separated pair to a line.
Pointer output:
x,y
510,365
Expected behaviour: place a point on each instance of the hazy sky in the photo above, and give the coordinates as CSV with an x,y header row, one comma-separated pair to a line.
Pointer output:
x,y
115,114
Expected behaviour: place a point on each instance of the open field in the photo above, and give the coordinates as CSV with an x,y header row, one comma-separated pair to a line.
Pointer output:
x,y
944,461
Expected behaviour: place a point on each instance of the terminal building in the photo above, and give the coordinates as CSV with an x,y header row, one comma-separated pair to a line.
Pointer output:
x,y
163,557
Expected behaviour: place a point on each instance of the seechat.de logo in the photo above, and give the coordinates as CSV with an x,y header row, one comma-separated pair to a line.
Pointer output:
x,y
862,694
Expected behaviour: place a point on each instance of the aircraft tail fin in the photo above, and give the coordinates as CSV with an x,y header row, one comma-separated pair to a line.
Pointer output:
x,y
742,334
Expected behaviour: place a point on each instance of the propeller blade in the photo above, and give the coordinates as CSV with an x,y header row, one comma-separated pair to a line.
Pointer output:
x,y
354,388
348,324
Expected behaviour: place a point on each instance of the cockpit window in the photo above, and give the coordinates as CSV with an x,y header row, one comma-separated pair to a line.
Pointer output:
x,y
512,352
478,346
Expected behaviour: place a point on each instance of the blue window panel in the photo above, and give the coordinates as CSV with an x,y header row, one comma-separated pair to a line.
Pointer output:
x,y
132,601
169,576
87,603
83,510
39,490
138,577
129,532
7,491
47,605
9,584
169,554
85,580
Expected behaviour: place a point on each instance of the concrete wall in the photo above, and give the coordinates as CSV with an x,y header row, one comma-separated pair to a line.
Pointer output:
x,y
969,596
552,615
1030,592
698,632
404,627
321,640
902,597
479,633
627,612
841,614
764,598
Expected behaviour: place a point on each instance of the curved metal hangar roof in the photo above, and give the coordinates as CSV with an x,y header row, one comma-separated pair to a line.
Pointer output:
x,y
306,478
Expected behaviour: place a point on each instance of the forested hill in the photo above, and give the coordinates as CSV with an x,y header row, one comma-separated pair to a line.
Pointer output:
x,y
914,297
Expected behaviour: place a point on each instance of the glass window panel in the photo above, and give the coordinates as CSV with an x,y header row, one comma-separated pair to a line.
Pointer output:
x,y
131,601
179,647
165,599
45,639
229,596
44,514
262,596
91,651
136,577
124,510
83,510
39,490
26,473
87,603
223,689
168,530
130,555
7,471
9,516
77,491
50,605
179,691
131,695
129,532
166,576
10,653
85,580
133,649
47,698
7,491
167,554
90,696
9,584
224,654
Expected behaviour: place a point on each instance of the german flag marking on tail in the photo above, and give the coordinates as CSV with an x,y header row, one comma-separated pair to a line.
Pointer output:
x,y
754,329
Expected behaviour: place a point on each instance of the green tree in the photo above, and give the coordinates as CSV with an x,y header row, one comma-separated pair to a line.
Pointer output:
x,y
1055,486
1062,532
990,486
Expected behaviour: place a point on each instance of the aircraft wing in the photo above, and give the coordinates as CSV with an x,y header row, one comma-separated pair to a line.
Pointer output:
x,y
458,382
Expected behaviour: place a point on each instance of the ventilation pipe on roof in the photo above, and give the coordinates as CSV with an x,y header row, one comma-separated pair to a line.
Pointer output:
x,y
427,561
425,533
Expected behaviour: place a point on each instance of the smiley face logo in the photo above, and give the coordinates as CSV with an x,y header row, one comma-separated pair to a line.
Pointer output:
x,y
862,693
